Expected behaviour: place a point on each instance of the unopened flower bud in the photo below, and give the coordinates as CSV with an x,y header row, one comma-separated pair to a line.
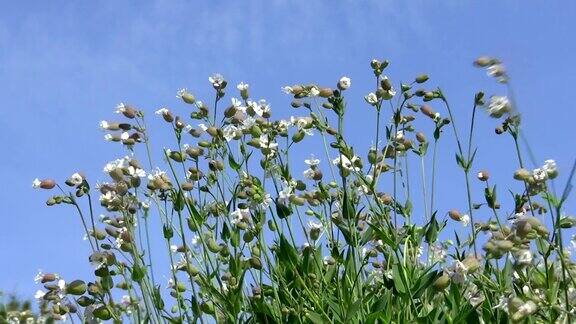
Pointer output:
x,y
421,78
483,175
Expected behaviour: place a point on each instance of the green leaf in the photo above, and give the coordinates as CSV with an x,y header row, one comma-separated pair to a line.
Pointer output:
x,y
432,230
138,273
233,164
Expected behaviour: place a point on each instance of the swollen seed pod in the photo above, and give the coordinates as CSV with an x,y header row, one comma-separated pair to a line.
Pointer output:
x,y
421,78
213,246
455,215
442,282
255,263
76,287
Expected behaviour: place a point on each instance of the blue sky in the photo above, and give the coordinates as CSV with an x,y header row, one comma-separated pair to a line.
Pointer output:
x,y
65,65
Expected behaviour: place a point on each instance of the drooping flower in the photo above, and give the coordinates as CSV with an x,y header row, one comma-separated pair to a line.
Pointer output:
x,y
76,179
229,132
371,98
499,105
344,83
216,80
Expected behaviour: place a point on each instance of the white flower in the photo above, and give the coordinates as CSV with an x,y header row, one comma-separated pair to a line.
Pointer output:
x,y
284,195
312,161
162,111
344,162
238,105
309,174
266,201
458,272
108,137
523,257
540,175
230,132
61,284
126,300
260,108
124,136
173,248
315,225
371,98
216,80
314,92
120,108
195,240
502,304
104,125
157,173
550,168
465,220
399,135
242,86
499,105
203,127
525,309
136,172
248,122
438,253
240,214
116,164
39,294
287,90
36,183
344,83
265,142
76,179
474,296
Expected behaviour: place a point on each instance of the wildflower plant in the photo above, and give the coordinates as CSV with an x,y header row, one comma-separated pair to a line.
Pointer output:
x,y
251,240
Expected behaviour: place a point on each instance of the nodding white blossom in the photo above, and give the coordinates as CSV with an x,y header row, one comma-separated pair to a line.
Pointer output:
x,y
39,295
371,98
465,220
242,86
216,79
497,71
550,168
162,111
195,240
187,128
155,174
136,172
502,304
124,136
458,272
239,215
36,183
525,309
312,161
523,257
61,284
120,108
126,300
399,135
173,248
364,189
265,142
287,90
104,125
266,201
344,162
498,106
303,124
203,127
438,253
76,179
119,239
108,137
314,92
116,164
344,83
474,296
248,122
229,132
238,105
309,173
540,175
315,225
260,108
284,195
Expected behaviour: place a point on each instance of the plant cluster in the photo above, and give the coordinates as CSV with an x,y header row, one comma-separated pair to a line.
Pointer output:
x,y
348,240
